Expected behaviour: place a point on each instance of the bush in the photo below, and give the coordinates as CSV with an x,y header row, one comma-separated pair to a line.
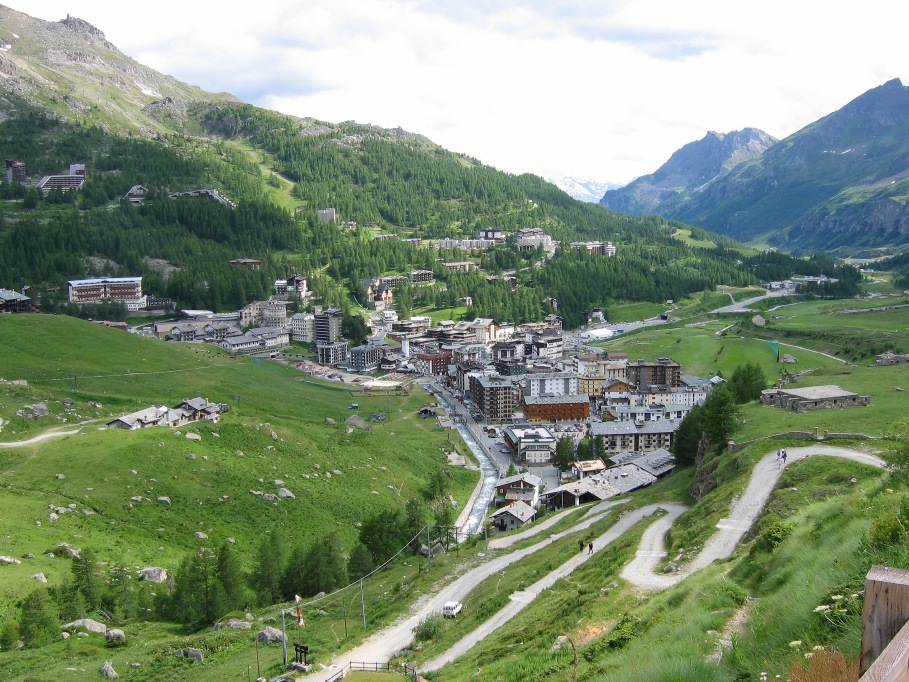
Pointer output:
x,y
429,628
775,534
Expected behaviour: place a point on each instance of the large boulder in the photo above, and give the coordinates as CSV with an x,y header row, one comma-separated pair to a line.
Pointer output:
x,y
86,625
153,574
194,654
233,624
116,636
270,635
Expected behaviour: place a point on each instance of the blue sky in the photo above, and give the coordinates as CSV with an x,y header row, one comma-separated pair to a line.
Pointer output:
x,y
605,90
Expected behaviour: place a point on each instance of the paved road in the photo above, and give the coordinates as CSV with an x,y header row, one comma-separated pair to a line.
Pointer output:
x,y
742,306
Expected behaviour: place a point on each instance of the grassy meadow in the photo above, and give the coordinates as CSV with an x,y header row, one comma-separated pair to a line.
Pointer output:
x,y
283,430
762,599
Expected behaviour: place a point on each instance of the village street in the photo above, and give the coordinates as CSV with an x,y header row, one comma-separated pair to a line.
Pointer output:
x,y
639,572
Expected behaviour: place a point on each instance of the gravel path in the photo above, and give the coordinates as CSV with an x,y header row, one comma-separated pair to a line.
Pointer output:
x,y
41,436
640,571
744,512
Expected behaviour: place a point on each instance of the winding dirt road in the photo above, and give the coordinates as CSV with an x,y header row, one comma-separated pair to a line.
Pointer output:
x,y
53,433
639,572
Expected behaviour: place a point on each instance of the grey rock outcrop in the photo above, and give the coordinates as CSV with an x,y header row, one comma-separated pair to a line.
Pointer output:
x,y
270,635
153,574
86,625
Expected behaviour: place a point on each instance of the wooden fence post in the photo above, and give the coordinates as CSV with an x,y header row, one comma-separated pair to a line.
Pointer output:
x,y
885,612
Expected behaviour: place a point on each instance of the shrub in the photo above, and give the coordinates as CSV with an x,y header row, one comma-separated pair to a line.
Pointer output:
x,y
775,534
429,628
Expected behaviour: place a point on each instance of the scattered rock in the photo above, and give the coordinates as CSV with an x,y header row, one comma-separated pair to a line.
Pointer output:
x,y
107,670
64,635
86,625
52,517
40,577
116,635
279,482
559,642
199,535
153,574
233,624
270,635
268,497
285,494
59,477
329,420
8,560
191,457
194,654
193,436
164,500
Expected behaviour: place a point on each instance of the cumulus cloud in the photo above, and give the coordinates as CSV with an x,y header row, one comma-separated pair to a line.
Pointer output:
x,y
607,89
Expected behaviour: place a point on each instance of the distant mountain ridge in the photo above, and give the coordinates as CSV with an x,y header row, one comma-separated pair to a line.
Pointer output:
x,y
70,68
689,169
839,184
590,191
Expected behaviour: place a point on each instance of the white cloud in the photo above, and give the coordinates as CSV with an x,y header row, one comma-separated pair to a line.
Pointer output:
x,y
604,89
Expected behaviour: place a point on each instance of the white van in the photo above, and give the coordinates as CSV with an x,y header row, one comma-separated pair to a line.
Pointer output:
x,y
451,609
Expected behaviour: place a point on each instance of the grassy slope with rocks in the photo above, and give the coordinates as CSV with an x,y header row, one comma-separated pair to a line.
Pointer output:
x,y
277,422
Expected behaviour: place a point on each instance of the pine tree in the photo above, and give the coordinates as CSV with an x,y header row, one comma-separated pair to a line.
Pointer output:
x,y
39,624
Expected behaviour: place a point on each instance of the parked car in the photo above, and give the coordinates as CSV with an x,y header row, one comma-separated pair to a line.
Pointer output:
x,y
451,609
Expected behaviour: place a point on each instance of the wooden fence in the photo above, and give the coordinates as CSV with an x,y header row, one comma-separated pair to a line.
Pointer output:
x,y
374,667
885,631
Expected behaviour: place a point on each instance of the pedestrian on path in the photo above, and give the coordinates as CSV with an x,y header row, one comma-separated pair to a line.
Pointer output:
x,y
779,458
581,545
784,455
590,548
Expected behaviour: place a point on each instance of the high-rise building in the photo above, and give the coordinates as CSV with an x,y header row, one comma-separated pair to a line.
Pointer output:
x,y
328,325
15,172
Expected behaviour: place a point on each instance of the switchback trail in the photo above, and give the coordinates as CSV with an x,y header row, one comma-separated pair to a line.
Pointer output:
x,y
639,572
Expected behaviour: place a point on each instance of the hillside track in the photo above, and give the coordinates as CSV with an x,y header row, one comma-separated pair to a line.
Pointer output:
x,y
51,433
640,572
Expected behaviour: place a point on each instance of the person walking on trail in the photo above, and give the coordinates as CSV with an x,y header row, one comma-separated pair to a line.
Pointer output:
x,y
779,458
783,455
590,548
581,545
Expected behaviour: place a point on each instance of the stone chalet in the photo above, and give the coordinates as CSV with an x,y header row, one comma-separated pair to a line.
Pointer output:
x,y
513,516
521,487
195,409
658,463
813,398
591,489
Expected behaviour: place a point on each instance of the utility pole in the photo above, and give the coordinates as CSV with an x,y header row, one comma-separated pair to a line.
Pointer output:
x,y
362,603
428,548
283,639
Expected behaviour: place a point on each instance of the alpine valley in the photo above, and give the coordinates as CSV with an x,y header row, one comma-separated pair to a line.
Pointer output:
x,y
279,394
